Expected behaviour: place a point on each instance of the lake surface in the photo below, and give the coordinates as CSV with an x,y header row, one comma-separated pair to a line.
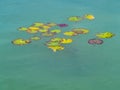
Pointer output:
x,y
80,66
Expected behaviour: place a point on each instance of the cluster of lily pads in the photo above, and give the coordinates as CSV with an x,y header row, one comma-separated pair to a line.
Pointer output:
x,y
52,29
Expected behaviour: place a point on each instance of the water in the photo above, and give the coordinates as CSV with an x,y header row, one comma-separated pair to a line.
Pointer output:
x,y
79,67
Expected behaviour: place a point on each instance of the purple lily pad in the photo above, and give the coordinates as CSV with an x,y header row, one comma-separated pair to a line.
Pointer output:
x,y
62,25
95,41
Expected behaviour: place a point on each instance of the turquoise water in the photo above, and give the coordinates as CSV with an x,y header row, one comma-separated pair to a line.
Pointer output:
x,y
79,67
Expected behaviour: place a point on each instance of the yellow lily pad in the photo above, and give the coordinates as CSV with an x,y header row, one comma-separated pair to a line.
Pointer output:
x,y
38,24
20,41
35,38
32,31
55,31
80,30
89,17
74,18
105,35
51,24
43,30
66,41
47,34
33,28
70,33
22,28
56,48
57,39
